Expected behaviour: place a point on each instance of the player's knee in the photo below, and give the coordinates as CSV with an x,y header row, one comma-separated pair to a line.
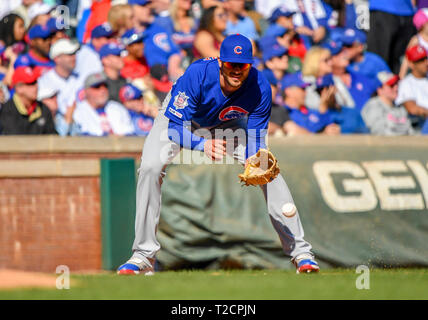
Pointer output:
x,y
151,168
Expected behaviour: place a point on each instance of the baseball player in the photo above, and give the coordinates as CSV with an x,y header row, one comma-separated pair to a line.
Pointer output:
x,y
224,92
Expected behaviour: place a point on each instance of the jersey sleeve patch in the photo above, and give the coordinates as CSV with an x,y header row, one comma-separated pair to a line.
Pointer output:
x,y
180,100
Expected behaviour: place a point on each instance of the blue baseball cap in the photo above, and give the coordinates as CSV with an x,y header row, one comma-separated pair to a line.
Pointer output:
x,y
276,50
334,46
129,92
236,48
139,2
110,49
293,80
325,81
131,36
351,36
56,24
268,73
103,30
275,30
39,31
280,12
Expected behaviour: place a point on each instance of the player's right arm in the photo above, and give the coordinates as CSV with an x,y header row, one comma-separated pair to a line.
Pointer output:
x,y
185,99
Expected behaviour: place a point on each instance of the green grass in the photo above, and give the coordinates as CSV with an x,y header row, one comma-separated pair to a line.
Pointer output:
x,y
238,285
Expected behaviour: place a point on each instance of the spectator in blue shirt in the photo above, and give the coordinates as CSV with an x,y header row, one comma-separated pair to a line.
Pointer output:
x,y
159,49
238,21
275,58
353,89
343,15
361,61
308,121
311,19
391,27
349,119
280,21
37,56
181,25
142,114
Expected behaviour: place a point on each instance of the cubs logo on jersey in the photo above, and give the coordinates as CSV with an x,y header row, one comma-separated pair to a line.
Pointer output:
x,y
231,113
161,40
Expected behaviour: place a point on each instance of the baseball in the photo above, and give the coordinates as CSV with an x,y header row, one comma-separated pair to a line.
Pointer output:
x,y
289,210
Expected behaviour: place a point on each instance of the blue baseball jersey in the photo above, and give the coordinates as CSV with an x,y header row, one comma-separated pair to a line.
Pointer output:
x,y
158,45
30,60
349,119
197,96
370,66
361,89
310,119
184,40
142,123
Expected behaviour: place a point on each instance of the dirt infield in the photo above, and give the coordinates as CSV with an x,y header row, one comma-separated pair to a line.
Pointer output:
x,y
11,279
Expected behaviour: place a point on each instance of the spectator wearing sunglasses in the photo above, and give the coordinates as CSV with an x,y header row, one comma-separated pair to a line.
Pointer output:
x,y
381,114
413,89
99,116
210,33
23,114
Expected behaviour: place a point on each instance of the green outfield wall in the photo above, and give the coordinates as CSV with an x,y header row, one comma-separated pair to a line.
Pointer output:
x,y
361,201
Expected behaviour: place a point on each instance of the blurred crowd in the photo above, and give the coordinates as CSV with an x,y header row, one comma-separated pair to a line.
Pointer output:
x,y
103,67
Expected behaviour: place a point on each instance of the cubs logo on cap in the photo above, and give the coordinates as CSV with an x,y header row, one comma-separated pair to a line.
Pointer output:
x,y
130,92
334,46
325,81
236,48
131,36
102,30
293,80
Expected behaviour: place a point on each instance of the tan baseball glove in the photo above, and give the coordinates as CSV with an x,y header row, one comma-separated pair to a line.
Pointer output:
x,y
261,169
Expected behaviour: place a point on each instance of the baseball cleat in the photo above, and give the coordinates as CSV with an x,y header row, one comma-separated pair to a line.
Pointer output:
x,y
136,266
306,264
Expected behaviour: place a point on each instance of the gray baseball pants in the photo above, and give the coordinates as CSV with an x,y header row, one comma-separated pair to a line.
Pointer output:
x,y
157,153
